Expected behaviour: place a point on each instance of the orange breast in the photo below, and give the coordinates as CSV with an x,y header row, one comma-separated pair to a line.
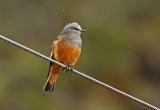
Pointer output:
x,y
66,54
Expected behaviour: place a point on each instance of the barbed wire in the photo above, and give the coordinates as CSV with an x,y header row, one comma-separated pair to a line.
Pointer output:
x,y
79,73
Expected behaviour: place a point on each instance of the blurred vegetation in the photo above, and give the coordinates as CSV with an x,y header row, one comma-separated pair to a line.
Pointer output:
x,y
121,48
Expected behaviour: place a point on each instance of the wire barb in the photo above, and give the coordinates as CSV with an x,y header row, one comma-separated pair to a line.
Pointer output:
x,y
79,73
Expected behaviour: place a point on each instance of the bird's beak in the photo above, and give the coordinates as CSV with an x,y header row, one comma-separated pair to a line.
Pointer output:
x,y
83,30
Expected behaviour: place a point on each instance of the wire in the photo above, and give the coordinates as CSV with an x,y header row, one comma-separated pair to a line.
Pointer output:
x,y
79,73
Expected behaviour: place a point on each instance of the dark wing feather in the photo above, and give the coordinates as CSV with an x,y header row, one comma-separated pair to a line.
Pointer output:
x,y
52,57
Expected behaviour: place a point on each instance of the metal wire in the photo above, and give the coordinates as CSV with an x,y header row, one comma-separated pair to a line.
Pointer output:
x,y
79,73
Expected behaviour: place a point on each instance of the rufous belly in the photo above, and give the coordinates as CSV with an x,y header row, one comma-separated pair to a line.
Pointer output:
x,y
66,54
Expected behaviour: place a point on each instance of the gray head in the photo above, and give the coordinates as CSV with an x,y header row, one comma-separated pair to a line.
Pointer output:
x,y
72,28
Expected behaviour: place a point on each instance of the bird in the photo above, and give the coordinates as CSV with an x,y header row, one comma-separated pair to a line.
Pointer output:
x,y
66,50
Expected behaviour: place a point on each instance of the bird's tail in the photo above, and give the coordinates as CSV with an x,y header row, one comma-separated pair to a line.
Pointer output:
x,y
54,70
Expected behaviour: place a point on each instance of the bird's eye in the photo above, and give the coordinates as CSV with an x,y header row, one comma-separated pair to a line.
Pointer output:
x,y
76,29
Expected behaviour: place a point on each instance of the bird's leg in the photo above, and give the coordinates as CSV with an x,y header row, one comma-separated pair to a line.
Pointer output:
x,y
69,68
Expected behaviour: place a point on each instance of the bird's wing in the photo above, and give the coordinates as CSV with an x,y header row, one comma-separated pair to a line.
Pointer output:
x,y
52,57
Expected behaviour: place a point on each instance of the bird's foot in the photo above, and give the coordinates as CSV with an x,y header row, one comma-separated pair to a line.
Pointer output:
x,y
69,68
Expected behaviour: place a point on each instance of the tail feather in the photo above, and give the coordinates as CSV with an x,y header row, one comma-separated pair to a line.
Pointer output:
x,y
48,87
53,74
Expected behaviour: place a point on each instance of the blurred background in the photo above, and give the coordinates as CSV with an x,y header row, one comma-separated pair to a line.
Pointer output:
x,y
121,48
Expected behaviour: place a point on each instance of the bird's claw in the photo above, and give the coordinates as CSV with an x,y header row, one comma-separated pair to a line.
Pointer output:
x,y
69,68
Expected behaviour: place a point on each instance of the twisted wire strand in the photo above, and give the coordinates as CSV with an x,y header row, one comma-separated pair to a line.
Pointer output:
x,y
79,73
